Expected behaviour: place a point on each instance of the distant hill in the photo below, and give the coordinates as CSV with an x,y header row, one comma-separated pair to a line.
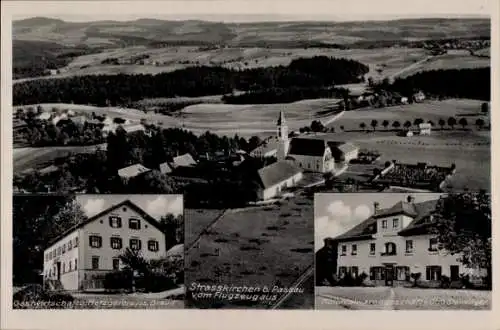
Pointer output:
x,y
147,31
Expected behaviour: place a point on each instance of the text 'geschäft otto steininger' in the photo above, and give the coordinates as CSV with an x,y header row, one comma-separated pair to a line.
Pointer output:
x,y
240,293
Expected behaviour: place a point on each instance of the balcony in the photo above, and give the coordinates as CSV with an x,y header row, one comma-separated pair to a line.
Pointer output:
x,y
383,254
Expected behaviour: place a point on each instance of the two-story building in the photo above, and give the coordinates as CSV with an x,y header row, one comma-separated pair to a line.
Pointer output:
x,y
80,257
396,242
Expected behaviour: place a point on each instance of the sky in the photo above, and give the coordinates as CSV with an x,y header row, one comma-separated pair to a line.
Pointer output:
x,y
250,10
155,205
334,214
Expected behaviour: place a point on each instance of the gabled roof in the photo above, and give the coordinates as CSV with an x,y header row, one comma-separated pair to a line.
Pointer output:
x,y
270,145
49,169
185,160
398,208
420,212
344,147
307,147
133,128
132,170
152,221
164,168
176,250
277,172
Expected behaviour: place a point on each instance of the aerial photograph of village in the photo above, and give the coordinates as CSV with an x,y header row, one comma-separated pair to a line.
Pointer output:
x,y
248,120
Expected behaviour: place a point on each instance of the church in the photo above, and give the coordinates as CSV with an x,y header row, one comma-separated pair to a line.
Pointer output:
x,y
311,153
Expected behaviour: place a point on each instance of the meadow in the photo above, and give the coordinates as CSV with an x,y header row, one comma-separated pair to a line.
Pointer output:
x,y
269,245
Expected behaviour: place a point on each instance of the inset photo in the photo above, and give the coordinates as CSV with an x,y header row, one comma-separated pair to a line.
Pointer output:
x,y
423,251
98,252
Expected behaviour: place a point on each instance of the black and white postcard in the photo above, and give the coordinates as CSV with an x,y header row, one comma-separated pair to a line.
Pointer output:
x,y
173,160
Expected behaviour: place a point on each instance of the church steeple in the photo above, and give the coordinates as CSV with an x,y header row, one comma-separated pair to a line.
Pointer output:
x,y
282,127
283,141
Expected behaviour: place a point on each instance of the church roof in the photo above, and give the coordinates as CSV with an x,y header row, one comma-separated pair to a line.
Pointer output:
x,y
277,172
307,147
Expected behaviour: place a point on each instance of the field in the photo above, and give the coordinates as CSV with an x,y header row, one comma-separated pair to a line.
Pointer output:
x,y
400,298
448,61
36,158
382,62
259,246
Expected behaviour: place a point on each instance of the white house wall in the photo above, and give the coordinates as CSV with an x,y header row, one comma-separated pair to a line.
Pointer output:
x,y
276,189
68,276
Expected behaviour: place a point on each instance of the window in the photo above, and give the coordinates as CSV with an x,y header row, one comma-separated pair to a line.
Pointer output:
x,y
46,257
70,245
70,266
76,241
433,244
372,248
134,224
395,223
390,249
354,249
76,264
95,241
377,273
95,262
433,273
135,244
64,267
342,271
384,224
115,222
116,243
64,248
116,263
409,246
153,245
354,271
59,251
402,273
344,250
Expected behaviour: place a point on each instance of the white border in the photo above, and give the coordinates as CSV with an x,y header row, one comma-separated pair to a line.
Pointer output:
x,y
216,319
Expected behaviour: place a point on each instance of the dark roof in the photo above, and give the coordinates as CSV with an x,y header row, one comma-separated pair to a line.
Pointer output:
x,y
152,221
405,208
307,147
420,212
277,172
343,147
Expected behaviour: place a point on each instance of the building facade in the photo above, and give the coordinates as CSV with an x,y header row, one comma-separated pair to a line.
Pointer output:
x,y
394,243
80,257
276,177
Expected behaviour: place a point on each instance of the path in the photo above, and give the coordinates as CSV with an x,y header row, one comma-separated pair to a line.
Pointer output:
x,y
302,278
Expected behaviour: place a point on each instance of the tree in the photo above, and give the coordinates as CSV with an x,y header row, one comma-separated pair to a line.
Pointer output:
x,y
418,121
374,124
441,123
463,227
254,142
452,122
463,122
362,126
317,126
480,123
407,124
484,107
430,122
385,123
173,229
396,124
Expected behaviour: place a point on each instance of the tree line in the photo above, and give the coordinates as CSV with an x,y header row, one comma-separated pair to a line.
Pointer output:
x,y
102,90
457,83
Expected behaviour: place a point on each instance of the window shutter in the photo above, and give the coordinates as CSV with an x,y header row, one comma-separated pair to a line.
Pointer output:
x,y
111,221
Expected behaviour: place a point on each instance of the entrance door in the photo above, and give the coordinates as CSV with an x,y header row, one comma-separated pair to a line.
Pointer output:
x,y
389,275
58,269
454,273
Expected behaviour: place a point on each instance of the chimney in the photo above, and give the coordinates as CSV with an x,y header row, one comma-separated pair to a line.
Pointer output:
x,y
375,207
410,199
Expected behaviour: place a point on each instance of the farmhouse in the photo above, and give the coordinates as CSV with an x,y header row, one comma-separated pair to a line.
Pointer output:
x,y
424,129
165,168
276,177
311,154
131,171
343,151
79,258
396,242
44,116
268,148
185,160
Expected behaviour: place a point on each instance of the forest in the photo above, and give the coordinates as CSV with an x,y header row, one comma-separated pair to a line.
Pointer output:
x,y
104,90
459,83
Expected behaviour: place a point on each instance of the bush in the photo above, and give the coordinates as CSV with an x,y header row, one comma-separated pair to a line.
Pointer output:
x,y
118,280
156,282
415,277
445,282
361,278
27,297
